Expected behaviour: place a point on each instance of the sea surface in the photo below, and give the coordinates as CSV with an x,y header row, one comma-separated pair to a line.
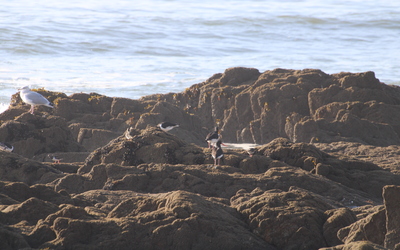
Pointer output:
x,y
129,48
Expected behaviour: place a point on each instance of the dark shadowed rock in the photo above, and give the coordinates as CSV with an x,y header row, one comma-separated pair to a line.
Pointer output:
x,y
11,239
337,219
358,245
16,168
371,228
30,210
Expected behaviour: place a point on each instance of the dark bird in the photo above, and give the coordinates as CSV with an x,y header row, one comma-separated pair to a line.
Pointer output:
x,y
33,98
217,153
167,126
251,151
213,137
6,147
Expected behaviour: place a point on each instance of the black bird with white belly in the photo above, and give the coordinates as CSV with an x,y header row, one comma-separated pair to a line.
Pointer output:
x,y
217,153
167,126
213,137
6,147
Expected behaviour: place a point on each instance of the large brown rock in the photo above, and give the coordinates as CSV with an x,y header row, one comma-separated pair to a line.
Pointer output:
x,y
30,210
150,145
358,245
190,127
15,168
329,147
340,169
371,228
249,106
287,220
392,201
176,220
32,134
338,218
11,239
299,104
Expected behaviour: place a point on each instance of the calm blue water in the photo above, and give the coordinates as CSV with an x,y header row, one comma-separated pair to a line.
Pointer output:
x,y
135,48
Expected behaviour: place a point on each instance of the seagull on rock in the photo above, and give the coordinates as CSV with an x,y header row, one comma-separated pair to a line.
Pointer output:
x,y
213,137
167,126
33,98
6,147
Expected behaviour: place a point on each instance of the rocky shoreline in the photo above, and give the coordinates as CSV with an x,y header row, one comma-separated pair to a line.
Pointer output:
x,y
325,175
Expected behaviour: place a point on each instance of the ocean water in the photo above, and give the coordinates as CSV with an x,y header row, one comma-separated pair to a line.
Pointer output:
x,y
134,48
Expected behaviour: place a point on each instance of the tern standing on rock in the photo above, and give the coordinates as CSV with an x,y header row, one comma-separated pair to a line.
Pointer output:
x,y
167,126
33,98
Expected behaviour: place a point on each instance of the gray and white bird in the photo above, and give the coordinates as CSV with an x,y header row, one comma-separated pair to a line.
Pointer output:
x,y
33,98
54,158
6,147
167,126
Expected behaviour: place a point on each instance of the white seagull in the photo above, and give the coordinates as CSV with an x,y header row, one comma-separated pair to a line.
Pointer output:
x,y
33,98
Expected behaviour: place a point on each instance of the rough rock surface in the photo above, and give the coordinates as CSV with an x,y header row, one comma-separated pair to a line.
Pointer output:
x,y
96,173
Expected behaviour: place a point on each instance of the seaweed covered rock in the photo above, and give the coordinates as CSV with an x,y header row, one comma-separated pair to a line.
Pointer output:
x,y
391,199
329,149
287,220
175,220
15,168
341,169
32,134
145,146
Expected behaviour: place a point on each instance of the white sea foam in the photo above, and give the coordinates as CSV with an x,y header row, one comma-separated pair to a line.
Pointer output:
x,y
3,107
